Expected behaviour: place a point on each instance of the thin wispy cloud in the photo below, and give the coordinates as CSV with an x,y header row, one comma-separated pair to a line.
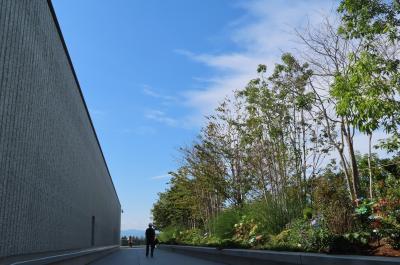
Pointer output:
x,y
165,176
166,103
161,117
261,35
181,121
139,130
149,91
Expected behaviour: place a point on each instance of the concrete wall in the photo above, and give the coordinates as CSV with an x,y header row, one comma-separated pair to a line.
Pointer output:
x,y
263,257
53,176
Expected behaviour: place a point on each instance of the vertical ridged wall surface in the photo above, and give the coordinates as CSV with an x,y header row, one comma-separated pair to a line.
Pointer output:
x,y
53,177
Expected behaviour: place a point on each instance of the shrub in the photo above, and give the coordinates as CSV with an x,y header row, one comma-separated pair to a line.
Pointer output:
x,y
356,243
169,235
223,225
303,235
232,243
272,215
191,237
247,232
331,199
395,239
387,210
380,219
212,241
281,242
307,213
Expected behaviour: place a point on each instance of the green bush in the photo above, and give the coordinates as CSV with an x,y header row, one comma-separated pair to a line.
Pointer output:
x,y
307,213
395,239
273,215
247,232
223,226
304,235
331,200
355,243
281,242
380,219
169,235
191,237
212,241
232,243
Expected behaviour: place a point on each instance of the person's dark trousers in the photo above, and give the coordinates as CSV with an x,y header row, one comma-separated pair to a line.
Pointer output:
x,y
151,245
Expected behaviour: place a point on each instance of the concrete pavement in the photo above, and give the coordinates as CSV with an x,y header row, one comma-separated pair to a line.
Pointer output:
x,y
136,256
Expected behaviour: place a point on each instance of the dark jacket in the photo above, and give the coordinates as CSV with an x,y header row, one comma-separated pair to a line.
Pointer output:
x,y
150,235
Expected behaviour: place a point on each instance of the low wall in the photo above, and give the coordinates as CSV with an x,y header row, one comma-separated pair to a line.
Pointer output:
x,y
73,257
258,257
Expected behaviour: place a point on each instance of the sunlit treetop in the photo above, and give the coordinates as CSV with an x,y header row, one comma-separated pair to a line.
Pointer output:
x,y
367,18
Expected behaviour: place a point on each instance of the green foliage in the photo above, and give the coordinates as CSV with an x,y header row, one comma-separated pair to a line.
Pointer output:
x,y
192,237
281,242
304,235
247,231
173,235
390,144
355,243
254,177
380,218
272,215
395,239
364,92
331,201
169,235
359,238
307,213
367,18
364,209
223,226
366,89
177,206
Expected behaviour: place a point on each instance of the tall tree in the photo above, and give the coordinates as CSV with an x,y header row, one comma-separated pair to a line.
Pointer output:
x,y
327,53
367,91
224,138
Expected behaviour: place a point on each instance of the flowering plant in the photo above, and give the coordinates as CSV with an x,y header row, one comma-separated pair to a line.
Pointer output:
x,y
381,218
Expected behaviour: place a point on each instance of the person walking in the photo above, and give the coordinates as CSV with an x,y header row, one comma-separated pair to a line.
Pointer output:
x,y
150,240
130,241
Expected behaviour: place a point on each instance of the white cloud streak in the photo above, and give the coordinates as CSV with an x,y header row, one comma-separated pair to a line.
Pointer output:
x,y
139,130
262,34
166,176
161,117
149,91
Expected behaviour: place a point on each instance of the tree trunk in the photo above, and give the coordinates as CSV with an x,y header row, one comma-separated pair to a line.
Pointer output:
x,y
353,161
371,195
347,175
304,166
338,146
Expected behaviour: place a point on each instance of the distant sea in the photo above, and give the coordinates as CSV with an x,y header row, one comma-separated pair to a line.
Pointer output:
x,y
132,232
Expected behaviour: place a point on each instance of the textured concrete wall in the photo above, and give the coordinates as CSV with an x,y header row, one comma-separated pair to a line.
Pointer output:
x,y
53,177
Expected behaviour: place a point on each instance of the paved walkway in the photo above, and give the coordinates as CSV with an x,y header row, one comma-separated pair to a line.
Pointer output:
x,y
136,256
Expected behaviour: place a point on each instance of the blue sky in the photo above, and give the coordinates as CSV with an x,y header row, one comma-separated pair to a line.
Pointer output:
x,y
151,69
